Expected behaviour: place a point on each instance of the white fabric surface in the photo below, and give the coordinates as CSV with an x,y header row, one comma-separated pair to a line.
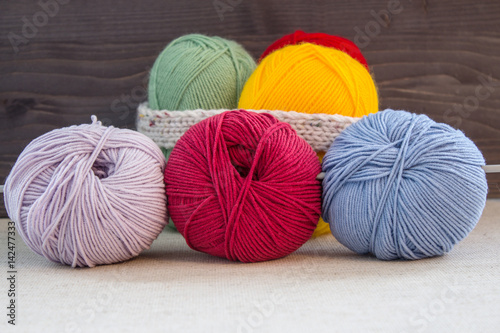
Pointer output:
x,y
323,287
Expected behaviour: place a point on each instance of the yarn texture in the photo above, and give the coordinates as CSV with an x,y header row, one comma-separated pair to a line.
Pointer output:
x,y
401,186
242,186
312,79
165,127
199,72
88,195
317,38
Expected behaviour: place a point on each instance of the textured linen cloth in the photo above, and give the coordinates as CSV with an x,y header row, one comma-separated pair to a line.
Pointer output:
x,y
323,287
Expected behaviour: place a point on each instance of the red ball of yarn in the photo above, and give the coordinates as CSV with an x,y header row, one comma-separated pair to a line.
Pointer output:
x,y
317,38
242,185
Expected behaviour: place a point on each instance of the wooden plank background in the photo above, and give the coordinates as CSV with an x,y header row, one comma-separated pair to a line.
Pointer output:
x,y
441,58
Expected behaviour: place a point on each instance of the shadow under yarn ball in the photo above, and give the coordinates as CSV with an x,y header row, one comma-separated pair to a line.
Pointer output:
x,y
242,185
402,186
88,195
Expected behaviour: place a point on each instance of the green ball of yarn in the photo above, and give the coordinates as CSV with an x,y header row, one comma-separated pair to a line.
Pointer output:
x,y
199,72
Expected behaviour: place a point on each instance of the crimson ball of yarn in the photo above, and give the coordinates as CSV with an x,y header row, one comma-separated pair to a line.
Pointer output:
x,y
242,185
318,38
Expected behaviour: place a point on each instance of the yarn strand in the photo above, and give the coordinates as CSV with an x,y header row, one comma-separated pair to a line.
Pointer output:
x,y
242,186
401,186
88,195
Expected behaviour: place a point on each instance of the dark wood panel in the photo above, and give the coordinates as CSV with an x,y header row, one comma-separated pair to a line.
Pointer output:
x,y
441,58
3,212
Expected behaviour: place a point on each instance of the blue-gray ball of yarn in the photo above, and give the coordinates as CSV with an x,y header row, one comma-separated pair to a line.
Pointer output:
x,y
401,186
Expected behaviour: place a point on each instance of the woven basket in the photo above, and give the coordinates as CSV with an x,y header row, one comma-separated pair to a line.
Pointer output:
x,y
166,127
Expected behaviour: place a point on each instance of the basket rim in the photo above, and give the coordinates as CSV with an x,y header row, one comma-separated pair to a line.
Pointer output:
x,y
165,127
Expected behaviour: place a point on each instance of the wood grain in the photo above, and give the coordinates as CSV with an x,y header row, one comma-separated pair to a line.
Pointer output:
x,y
93,57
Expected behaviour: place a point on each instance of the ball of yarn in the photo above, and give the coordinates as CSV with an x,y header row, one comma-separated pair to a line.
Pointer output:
x,y
242,185
399,185
199,72
317,38
88,195
312,79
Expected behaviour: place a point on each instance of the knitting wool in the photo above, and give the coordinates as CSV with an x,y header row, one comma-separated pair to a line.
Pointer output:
x,y
165,127
312,79
242,185
401,186
88,195
310,73
318,38
199,72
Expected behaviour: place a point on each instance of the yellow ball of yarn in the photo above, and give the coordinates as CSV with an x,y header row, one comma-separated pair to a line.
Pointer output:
x,y
311,78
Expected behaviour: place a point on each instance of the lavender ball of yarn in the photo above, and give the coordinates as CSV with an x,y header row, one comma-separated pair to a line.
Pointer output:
x,y
401,186
88,195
